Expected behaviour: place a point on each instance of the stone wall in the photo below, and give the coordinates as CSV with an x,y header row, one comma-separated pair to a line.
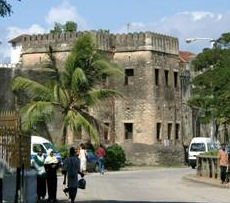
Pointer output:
x,y
144,103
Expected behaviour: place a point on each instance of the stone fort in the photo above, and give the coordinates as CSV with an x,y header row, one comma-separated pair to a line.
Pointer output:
x,y
150,118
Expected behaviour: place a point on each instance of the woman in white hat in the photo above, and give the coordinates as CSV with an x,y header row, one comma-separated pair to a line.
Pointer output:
x,y
51,166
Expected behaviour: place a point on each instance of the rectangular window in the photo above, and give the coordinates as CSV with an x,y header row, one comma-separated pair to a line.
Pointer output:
x,y
169,131
128,130
166,77
177,130
105,80
129,73
106,131
156,77
175,79
158,131
78,133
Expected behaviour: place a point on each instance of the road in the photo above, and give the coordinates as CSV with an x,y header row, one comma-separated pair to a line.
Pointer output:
x,y
155,185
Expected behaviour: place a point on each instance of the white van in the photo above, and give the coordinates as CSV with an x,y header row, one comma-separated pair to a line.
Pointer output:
x,y
200,145
44,144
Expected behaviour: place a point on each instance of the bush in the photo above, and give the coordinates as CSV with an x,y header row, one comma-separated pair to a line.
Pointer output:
x,y
115,157
64,151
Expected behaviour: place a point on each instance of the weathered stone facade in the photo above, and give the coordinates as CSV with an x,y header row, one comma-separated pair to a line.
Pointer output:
x,y
150,112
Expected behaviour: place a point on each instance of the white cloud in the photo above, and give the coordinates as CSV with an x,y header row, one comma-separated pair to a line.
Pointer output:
x,y
33,29
61,13
65,12
11,32
198,15
186,25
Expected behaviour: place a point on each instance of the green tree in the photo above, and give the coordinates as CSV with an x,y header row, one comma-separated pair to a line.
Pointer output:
x,y
71,92
70,26
211,92
5,8
58,28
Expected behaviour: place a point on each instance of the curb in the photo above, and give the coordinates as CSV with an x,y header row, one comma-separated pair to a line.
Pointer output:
x,y
206,180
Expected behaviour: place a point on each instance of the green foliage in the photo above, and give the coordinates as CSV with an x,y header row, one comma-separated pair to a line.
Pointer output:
x,y
58,28
68,93
5,8
211,153
115,157
211,87
69,26
63,150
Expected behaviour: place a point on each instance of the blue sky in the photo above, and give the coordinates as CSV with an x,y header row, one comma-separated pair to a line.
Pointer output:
x,y
179,18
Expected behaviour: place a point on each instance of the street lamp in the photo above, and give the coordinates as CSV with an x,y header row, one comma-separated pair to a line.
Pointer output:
x,y
192,39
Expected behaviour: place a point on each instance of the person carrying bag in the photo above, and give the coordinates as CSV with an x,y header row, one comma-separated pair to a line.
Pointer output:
x,y
71,169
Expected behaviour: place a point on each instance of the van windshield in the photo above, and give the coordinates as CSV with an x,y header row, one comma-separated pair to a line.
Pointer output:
x,y
197,147
49,146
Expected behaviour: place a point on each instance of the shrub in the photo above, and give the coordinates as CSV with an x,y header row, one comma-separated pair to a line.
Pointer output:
x,y
115,157
64,151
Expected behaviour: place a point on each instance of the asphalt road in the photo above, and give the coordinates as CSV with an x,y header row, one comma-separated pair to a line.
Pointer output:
x,y
152,185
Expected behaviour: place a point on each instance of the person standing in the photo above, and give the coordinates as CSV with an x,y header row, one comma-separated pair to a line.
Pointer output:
x,y
100,153
71,169
51,166
38,164
83,157
223,162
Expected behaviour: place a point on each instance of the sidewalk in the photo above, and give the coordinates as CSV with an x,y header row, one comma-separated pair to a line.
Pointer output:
x,y
206,180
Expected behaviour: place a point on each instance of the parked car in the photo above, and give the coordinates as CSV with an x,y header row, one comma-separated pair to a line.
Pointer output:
x,y
200,145
92,164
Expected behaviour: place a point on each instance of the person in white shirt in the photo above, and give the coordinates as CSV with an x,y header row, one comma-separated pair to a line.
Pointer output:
x,y
83,157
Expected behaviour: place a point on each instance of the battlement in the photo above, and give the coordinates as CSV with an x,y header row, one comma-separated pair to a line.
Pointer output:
x,y
104,41
145,41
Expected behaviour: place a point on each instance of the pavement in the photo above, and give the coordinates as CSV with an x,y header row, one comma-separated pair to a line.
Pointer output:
x,y
215,182
190,177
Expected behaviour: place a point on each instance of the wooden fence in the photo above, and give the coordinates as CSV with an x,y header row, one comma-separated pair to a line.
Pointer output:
x,y
14,146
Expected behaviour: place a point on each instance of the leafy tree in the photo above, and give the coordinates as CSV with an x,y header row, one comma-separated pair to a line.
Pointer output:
x,y
70,26
5,8
58,28
71,92
211,87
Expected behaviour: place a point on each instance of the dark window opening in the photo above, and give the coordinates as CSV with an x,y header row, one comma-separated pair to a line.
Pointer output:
x,y
78,133
158,131
105,81
156,76
129,73
166,77
175,79
177,129
128,130
169,131
106,131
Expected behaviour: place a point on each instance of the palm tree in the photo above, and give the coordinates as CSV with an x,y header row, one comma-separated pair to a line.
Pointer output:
x,y
71,92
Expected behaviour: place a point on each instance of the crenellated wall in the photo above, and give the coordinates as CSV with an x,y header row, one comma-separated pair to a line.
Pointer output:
x,y
35,47
145,41
146,105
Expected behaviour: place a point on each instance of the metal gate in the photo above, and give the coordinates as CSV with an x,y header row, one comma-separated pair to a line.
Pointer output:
x,y
14,148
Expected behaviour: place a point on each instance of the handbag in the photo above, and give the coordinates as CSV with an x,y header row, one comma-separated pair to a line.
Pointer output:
x,y
82,183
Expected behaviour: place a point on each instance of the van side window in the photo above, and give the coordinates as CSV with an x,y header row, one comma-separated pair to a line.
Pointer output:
x,y
36,148
197,147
